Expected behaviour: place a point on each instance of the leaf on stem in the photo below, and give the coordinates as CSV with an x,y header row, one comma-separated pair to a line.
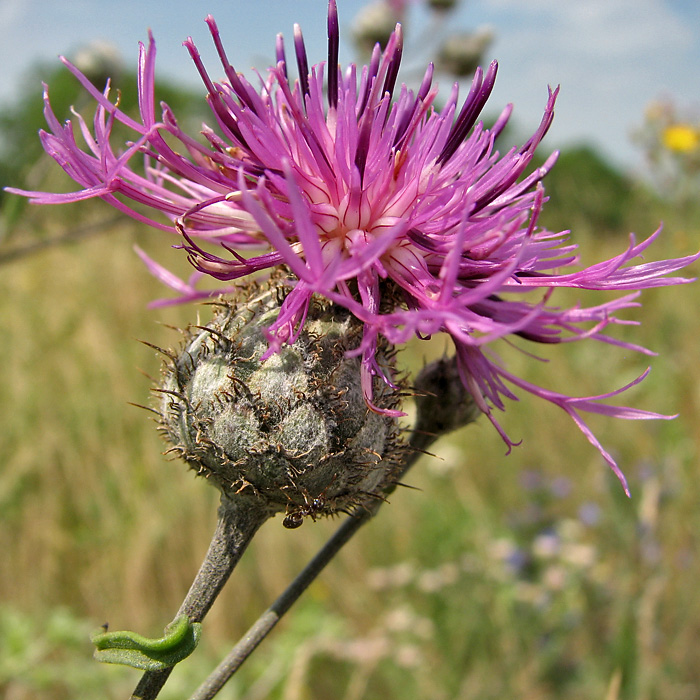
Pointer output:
x,y
132,649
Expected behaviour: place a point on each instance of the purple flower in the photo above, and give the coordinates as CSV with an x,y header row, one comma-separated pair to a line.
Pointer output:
x,y
403,213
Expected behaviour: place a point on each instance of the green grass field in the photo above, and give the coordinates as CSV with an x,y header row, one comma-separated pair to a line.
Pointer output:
x,y
527,576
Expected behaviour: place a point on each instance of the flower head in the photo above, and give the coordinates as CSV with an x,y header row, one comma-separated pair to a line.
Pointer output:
x,y
371,197
681,138
293,433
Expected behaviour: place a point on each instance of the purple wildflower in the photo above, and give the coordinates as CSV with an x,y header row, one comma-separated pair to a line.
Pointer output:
x,y
400,212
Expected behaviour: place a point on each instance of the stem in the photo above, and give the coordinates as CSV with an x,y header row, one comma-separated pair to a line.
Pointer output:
x,y
239,520
442,406
72,236
267,621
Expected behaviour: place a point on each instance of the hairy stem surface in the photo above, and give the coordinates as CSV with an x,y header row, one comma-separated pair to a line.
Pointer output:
x,y
239,520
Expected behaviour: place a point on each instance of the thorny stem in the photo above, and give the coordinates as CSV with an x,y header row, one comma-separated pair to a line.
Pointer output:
x,y
442,407
239,520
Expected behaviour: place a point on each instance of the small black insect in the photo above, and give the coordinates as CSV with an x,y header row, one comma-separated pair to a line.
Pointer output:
x,y
313,507
295,515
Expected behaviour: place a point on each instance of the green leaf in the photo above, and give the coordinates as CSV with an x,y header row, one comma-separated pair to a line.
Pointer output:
x,y
132,649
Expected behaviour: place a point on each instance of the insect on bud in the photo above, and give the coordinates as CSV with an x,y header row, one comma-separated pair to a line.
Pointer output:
x,y
294,430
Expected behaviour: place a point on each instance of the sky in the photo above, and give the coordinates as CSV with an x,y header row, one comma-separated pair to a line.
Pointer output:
x,y
610,57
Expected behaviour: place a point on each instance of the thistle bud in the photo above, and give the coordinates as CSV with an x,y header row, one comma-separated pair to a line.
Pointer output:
x,y
374,24
462,52
294,430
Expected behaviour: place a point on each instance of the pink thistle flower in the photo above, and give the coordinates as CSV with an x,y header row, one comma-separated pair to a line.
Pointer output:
x,y
373,198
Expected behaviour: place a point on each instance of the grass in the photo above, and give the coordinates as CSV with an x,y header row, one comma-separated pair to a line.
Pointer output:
x,y
529,576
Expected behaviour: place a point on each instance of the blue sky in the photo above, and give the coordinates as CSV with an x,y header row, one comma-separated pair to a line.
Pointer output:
x,y
611,57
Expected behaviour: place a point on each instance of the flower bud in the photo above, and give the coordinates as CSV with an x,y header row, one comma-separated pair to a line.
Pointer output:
x,y
293,430
462,53
374,24
442,402
100,61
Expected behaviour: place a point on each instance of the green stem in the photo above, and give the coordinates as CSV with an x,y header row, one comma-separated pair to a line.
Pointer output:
x,y
239,520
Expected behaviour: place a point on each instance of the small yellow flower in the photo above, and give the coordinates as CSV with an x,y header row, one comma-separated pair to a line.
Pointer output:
x,y
681,138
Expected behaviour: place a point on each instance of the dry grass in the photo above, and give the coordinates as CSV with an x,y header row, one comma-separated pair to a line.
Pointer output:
x,y
97,522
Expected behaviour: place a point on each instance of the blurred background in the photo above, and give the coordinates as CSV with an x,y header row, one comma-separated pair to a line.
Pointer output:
x,y
611,57
528,576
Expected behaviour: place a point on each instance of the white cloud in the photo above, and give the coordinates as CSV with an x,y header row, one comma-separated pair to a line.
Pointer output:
x,y
606,28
